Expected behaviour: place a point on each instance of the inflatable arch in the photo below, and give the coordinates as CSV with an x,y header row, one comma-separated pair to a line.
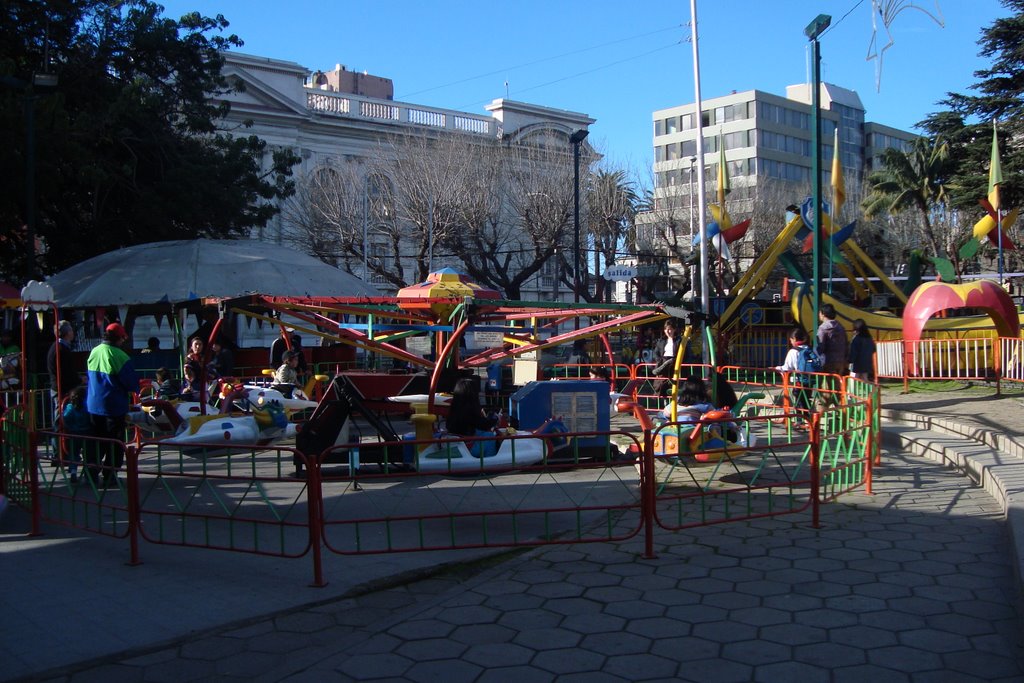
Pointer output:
x,y
932,297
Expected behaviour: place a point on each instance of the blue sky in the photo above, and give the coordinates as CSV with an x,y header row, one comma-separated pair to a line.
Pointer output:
x,y
617,61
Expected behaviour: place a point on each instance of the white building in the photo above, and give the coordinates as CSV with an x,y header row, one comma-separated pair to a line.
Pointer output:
x,y
324,116
767,140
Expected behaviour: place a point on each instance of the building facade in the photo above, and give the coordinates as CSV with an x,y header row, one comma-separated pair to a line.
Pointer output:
x,y
345,115
767,143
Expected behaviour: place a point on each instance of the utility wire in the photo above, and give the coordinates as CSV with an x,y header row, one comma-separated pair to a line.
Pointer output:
x,y
405,96
848,12
577,75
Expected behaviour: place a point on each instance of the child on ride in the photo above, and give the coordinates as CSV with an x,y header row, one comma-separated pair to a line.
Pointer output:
x,y
799,361
691,402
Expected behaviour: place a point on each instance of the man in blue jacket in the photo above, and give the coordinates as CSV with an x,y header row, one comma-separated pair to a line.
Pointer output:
x,y
112,381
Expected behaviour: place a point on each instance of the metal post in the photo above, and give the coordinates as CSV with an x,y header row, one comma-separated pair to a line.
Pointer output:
x,y
30,187
705,301
576,139
366,201
813,31
693,268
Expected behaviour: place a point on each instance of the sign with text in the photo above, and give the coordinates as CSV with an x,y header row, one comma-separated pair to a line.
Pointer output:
x,y
619,273
491,339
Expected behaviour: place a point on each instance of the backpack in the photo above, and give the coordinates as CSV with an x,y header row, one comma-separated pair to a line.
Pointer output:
x,y
807,361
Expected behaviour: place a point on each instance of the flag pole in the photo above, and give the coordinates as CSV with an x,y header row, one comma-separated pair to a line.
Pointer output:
x,y
705,301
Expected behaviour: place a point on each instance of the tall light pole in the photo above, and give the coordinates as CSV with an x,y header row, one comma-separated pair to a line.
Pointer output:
x,y
813,31
693,267
576,139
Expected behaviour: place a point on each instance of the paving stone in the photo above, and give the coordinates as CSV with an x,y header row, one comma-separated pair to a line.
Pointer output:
x,y
756,652
616,643
501,587
793,603
644,667
893,621
167,672
794,634
248,665
519,674
451,671
933,640
433,648
498,654
512,601
903,658
994,666
363,667
561,589
470,615
856,603
760,616
960,624
731,601
986,609
483,633
634,609
791,671
547,638
573,606
867,672
715,671
530,618
597,579
831,655
866,637
420,629
724,631
672,596
569,660
763,588
821,589
276,642
593,623
696,614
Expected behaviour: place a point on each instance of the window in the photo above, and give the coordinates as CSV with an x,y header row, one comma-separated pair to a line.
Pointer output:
x,y
689,148
672,151
686,121
671,125
659,128
659,153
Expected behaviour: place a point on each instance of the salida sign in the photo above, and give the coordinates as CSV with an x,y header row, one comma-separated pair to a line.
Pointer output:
x,y
620,273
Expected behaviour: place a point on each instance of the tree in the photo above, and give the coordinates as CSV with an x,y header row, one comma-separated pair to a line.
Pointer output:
x,y
967,120
911,180
499,211
127,146
611,211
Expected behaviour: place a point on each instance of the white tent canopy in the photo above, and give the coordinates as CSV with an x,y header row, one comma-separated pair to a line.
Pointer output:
x,y
185,270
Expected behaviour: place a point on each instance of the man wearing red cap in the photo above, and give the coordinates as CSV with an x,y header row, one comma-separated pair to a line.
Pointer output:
x,y
112,381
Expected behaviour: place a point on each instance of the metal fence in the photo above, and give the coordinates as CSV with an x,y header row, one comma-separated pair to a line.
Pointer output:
x,y
250,499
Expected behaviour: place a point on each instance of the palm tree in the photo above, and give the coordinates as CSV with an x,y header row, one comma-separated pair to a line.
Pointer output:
x,y
611,209
911,180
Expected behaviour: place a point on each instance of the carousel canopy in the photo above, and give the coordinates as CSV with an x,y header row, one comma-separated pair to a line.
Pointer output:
x,y
185,270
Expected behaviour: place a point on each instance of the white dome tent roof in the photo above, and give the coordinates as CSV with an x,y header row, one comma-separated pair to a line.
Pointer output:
x,y
185,270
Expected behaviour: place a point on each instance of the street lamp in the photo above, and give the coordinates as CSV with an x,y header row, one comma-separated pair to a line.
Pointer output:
x,y
813,31
576,139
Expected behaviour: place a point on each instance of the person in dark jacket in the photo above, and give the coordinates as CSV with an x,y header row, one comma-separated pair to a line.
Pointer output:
x,y
862,352
465,414
112,381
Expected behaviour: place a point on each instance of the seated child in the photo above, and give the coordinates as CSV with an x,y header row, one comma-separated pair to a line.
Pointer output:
x,y
164,385
188,385
286,378
691,401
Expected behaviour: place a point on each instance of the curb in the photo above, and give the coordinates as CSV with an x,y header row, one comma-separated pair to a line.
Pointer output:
x,y
994,461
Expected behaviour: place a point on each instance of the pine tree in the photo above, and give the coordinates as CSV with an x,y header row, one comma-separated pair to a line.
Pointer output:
x,y
966,123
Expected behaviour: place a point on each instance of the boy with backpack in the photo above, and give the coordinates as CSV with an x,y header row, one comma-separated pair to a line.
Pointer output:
x,y
802,361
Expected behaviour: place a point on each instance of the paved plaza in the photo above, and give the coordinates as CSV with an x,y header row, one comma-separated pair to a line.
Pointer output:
x,y
914,583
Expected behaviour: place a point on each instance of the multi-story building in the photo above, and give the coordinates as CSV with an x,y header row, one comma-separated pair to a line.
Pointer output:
x,y
345,114
767,141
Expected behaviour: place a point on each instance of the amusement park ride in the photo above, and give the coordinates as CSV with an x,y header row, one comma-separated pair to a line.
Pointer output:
x,y
447,308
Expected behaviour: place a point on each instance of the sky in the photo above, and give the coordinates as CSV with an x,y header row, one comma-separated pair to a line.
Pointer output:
x,y
619,61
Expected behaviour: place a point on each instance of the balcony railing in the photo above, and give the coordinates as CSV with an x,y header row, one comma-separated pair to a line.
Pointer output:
x,y
344,105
